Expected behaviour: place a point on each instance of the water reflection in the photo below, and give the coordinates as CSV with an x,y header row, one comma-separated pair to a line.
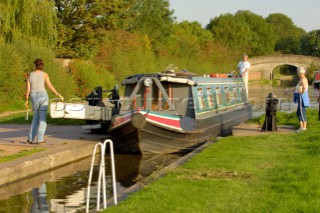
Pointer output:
x,y
64,189
258,93
39,204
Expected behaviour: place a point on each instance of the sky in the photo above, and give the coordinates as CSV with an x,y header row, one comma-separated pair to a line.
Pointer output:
x,y
303,13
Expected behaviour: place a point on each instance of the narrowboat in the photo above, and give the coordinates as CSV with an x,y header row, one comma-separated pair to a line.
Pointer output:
x,y
168,112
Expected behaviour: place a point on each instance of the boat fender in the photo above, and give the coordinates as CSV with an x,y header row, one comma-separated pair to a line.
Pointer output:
x,y
138,120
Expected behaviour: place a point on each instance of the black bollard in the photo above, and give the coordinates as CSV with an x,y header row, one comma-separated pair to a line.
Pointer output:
x,y
271,112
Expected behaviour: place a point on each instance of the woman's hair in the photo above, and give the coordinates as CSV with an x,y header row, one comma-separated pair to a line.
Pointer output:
x,y
39,64
301,70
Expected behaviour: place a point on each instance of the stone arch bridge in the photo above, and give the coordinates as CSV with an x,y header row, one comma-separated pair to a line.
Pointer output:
x,y
262,66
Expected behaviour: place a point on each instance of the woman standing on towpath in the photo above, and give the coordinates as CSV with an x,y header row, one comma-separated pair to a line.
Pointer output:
x,y
301,97
39,98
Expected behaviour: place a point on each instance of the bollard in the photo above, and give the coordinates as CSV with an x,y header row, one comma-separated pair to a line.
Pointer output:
x,y
271,112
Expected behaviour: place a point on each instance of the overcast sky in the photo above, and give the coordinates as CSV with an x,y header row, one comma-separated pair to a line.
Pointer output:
x,y
304,13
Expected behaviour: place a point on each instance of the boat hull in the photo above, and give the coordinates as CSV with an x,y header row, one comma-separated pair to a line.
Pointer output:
x,y
159,139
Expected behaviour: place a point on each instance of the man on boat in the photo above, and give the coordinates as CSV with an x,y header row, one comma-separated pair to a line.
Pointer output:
x,y
243,67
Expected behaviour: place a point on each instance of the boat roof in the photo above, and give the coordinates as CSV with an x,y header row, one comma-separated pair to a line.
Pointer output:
x,y
182,76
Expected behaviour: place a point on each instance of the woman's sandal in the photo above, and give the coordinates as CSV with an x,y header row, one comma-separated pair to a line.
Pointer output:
x,y
29,142
42,142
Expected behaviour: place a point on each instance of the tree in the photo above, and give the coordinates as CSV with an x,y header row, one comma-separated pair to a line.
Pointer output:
x,y
261,33
310,43
287,34
244,31
33,20
154,18
194,31
126,53
84,24
188,39
193,48
230,31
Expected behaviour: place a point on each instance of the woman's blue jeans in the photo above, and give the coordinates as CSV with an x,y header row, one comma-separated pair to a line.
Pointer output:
x,y
301,110
39,102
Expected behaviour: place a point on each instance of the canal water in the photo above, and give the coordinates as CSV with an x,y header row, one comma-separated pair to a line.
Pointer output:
x,y
64,189
258,93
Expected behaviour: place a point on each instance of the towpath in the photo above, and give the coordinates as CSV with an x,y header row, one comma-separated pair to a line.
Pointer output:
x,y
65,144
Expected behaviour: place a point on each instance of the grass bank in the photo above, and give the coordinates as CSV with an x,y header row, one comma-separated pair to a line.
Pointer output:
x,y
19,118
269,173
19,155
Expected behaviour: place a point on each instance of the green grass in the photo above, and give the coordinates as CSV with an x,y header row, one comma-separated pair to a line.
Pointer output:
x,y
284,118
268,173
18,105
20,154
19,118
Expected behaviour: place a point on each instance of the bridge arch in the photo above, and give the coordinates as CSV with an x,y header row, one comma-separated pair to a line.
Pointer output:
x,y
262,66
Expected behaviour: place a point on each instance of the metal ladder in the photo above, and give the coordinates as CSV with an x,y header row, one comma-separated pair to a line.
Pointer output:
x,y
102,175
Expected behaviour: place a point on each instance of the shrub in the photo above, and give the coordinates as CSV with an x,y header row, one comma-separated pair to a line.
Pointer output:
x,y
12,79
87,76
17,62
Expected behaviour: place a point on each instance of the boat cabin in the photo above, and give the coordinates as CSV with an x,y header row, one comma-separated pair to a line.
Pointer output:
x,y
187,95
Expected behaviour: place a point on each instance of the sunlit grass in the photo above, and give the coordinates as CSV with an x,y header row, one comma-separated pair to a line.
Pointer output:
x,y
19,118
12,107
284,118
267,173
19,154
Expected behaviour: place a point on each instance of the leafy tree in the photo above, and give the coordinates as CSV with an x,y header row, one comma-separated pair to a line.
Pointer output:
x,y
194,30
84,23
193,48
244,31
310,43
154,18
261,33
126,53
287,34
311,69
230,31
33,20
188,39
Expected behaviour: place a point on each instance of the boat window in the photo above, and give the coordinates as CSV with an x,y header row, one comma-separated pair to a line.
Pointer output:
x,y
137,102
223,93
164,103
231,94
200,98
210,98
128,104
234,94
218,96
143,99
158,101
241,94
227,93
155,97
